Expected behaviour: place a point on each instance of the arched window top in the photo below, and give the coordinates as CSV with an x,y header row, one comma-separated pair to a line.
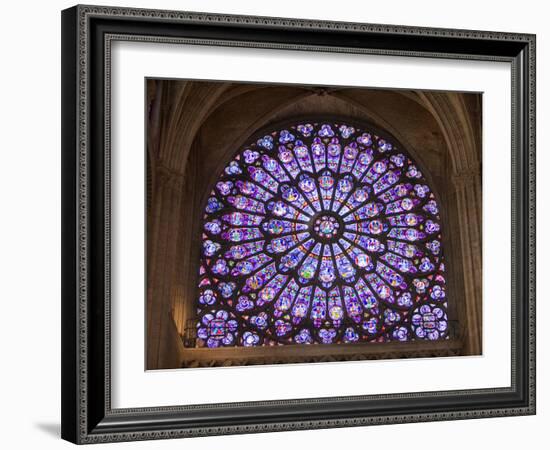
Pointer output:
x,y
322,233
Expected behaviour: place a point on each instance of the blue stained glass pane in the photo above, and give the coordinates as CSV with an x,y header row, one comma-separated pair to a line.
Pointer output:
x,y
274,168
318,307
405,204
252,189
348,157
250,265
308,186
292,195
334,151
283,244
404,265
371,209
286,157
302,156
353,306
308,269
383,291
318,150
239,218
386,181
272,289
375,171
327,272
261,177
301,305
335,308
258,279
407,234
292,259
285,300
391,276
364,158
357,198
366,297
344,264
405,220
395,192
247,204
241,234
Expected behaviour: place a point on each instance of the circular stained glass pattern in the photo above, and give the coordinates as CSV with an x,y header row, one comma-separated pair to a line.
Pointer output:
x,y
326,226
321,233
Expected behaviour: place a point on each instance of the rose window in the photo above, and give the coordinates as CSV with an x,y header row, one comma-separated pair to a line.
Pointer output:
x,y
321,233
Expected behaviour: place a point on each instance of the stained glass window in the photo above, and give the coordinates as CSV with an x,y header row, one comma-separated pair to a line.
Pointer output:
x,y
321,233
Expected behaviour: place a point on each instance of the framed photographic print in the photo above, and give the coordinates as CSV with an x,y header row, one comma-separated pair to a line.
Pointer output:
x,y
282,224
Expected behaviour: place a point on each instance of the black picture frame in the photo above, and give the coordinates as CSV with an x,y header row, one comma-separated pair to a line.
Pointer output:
x,y
87,415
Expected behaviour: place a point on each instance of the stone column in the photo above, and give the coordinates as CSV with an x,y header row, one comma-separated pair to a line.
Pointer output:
x,y
163,230
467,186
188,249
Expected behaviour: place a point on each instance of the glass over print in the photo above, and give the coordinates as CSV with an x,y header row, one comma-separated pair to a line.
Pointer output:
x,y
313,227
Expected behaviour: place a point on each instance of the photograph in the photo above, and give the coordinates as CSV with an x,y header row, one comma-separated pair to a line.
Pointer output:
x,y
299,224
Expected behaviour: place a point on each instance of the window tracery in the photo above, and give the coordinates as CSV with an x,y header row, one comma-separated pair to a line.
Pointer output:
x,y
321,233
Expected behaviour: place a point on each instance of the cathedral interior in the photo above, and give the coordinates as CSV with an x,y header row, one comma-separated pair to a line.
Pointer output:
x,y
199,134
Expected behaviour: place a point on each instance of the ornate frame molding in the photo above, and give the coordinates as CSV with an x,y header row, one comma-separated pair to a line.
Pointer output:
x,y
87,416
